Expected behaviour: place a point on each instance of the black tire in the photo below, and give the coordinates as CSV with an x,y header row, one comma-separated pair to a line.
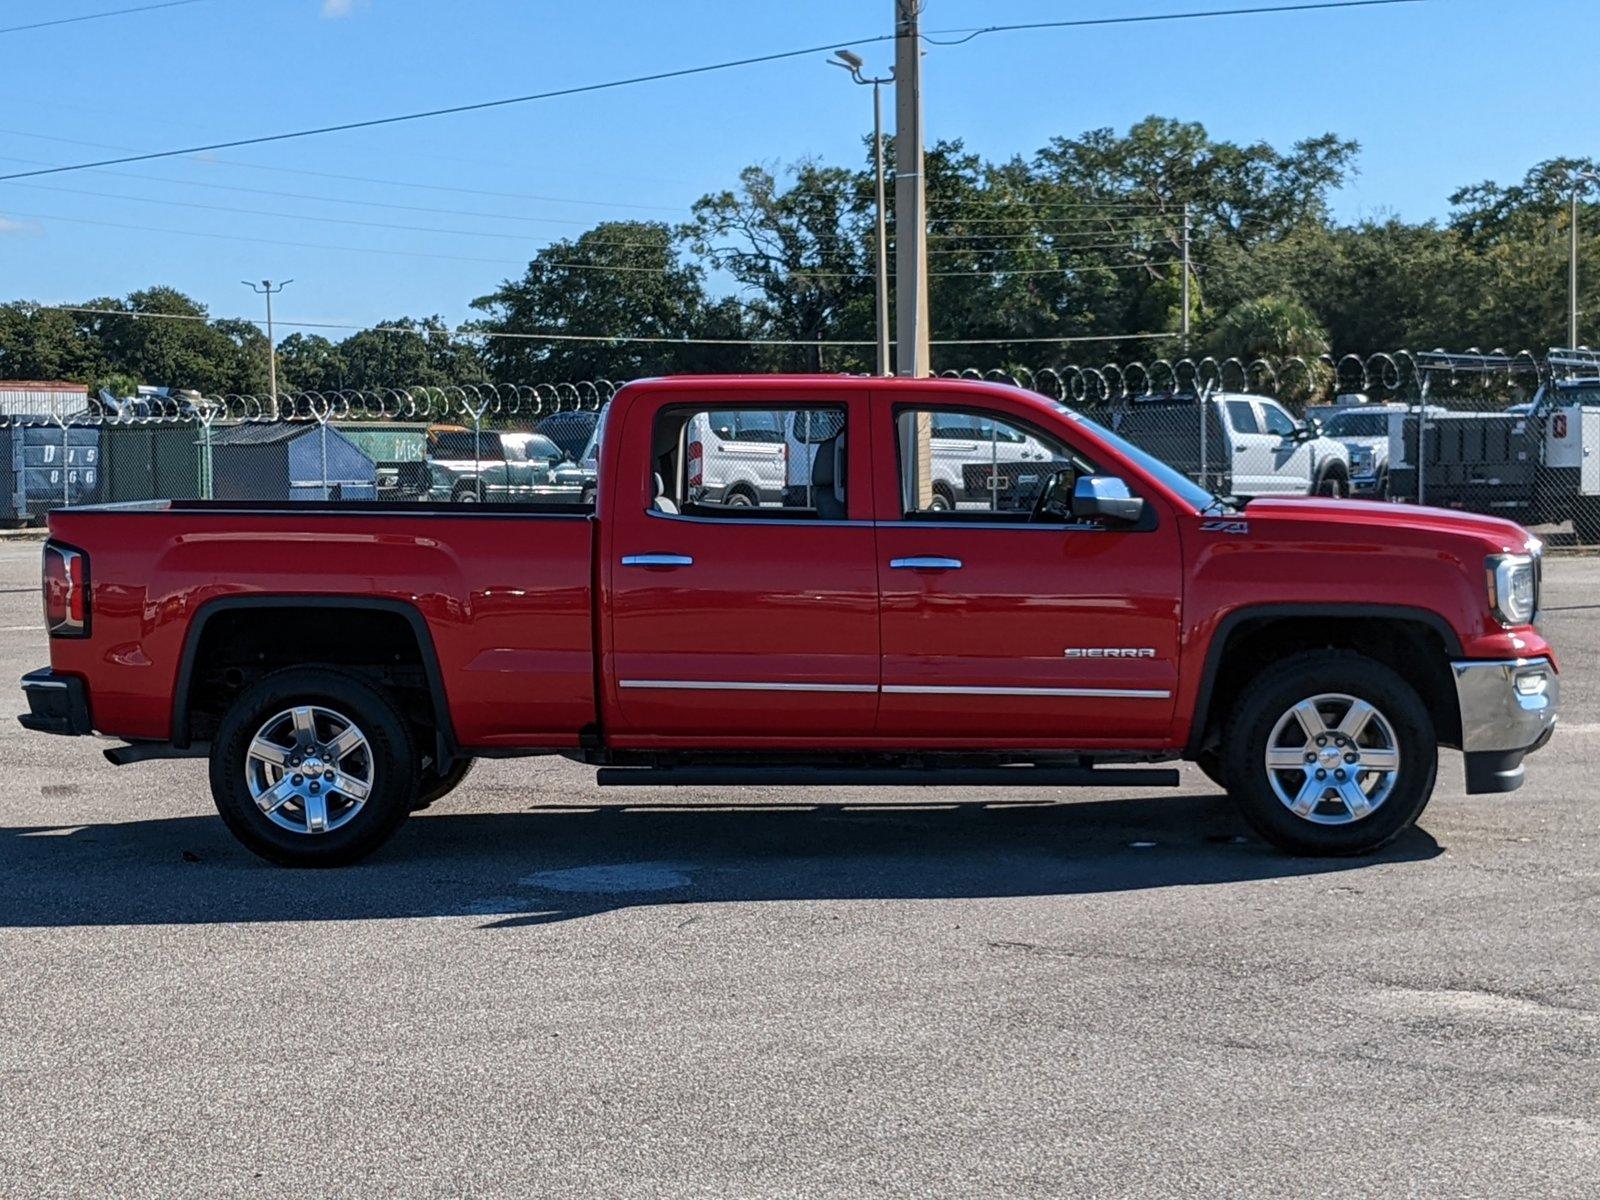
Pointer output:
x,y
1381,492
739,498
436,785
467,493
942,500
1333,484
393,767
1298,678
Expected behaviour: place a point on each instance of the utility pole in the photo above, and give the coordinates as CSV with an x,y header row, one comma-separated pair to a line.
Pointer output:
x,y
910,204
853,63
1579,181
1185,299
268,289
1572,274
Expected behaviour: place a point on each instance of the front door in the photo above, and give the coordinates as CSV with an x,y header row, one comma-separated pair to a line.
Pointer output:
x,y
1000,628
743,624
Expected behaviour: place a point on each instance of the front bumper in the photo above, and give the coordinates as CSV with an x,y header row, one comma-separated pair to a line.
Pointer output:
x,y
56,703
1508,710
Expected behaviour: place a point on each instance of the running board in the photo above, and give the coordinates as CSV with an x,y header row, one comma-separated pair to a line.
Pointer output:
x,y
138,752
725,776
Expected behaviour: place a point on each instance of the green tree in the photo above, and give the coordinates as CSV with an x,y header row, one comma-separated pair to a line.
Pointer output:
x,y
310,362
407,352
619,278
800,248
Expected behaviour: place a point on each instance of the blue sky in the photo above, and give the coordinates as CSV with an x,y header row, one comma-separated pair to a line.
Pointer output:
x,y
1439,94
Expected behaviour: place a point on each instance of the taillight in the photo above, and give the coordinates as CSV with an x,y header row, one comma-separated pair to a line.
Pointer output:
x,y
66,591
696,457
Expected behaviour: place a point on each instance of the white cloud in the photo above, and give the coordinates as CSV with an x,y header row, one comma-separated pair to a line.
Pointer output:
x,y
13,228
334,9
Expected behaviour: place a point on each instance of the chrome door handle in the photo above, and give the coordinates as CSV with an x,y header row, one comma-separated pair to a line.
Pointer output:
x,y
657,560
925,563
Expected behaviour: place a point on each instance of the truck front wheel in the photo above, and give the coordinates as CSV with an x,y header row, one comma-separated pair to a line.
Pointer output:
x,y
313,767
1330,752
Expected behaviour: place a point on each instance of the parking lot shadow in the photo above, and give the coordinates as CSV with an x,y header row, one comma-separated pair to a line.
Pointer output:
x,y
556,862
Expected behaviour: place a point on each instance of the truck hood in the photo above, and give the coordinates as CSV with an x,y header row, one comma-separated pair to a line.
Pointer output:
x,y
1374,516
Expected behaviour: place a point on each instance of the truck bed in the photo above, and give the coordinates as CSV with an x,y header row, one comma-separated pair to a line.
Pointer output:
x,y
501,593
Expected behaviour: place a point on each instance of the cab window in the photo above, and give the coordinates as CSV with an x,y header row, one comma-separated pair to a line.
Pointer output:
x,y
1242,416
996,471
747,463
1278,421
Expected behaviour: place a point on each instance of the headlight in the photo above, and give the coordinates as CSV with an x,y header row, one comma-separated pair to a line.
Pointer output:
x,y
1513,590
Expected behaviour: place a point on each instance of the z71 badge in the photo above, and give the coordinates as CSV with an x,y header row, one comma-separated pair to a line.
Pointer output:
x,y
1225,527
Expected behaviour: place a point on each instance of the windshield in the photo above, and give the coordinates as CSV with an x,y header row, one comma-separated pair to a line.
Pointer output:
x,y
1363,424
1176,481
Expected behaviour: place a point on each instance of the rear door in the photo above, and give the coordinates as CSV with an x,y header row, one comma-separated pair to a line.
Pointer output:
x,y
737,625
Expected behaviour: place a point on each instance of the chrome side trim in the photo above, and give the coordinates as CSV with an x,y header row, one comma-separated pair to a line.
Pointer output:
x,y
911,689
720,685
925,562
715,685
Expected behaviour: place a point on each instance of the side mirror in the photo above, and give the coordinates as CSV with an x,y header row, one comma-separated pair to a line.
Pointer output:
x,y
1311,430
1105,496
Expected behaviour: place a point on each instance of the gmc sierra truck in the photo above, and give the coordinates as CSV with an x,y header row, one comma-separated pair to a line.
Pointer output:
x,y
341,664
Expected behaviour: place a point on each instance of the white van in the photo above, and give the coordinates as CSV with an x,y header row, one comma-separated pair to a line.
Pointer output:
x,y
737,458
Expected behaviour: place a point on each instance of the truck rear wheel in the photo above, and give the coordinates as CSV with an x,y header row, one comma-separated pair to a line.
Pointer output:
x,y
313,767
1330,752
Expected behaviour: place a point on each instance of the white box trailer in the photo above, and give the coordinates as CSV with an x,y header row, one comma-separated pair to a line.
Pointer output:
x,y
42,398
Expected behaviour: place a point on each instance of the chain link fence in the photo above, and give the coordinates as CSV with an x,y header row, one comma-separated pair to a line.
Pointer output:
x,y
1516,435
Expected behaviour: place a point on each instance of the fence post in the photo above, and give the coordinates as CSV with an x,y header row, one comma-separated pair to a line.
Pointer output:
x,y
208,414
1422,438
66,456
1202,396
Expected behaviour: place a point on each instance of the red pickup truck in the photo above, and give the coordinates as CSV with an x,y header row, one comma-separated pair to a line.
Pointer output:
x,y
1071,612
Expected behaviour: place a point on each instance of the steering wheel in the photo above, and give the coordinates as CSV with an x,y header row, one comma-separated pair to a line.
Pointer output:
x,y
1054,502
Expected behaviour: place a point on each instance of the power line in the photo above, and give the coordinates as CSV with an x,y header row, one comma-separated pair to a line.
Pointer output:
x,y
1149,18
491,334
800,273
234,162
263,212
95,16
374,122
679,73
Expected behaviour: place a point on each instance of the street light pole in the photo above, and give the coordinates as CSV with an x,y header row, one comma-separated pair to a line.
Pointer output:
x,y
268,289
853,63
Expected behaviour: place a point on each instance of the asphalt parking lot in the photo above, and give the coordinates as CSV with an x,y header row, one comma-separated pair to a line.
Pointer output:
x,y
540,989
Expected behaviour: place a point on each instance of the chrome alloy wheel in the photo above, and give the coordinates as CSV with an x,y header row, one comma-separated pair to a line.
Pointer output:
x,y
1333,759
309,769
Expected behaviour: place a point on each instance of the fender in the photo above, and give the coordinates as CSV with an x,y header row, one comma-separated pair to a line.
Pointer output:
x,y
419,626
1268,612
